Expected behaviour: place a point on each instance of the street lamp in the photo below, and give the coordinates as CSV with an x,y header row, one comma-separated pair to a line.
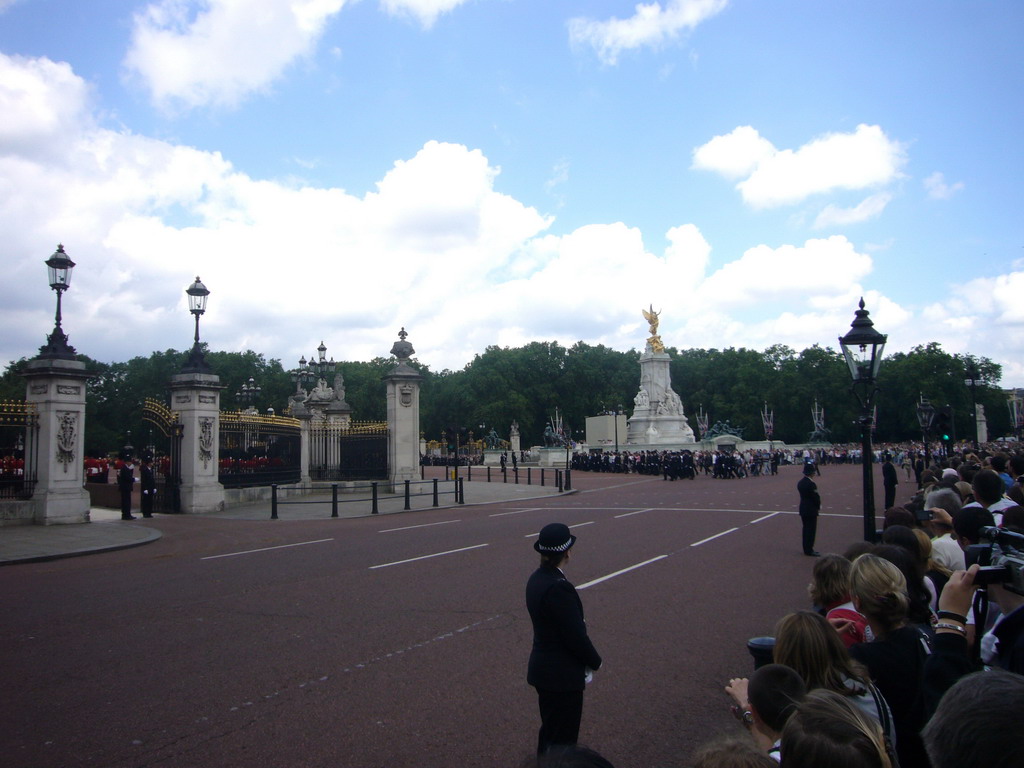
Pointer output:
x,y
972,378
926,417
862,347
197,295
59,267
248,393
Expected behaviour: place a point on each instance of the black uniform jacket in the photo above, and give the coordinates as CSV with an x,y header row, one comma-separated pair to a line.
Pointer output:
x,y
810,501
561,648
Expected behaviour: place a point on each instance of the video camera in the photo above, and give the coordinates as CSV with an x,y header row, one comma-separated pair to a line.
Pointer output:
x,y
1001,557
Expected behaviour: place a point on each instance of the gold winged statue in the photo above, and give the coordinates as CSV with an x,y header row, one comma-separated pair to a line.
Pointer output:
x,y
652,319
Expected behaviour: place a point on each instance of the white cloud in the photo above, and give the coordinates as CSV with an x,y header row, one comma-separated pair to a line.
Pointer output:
x,y
864,159
426,11
868,208
736,154
938,189
216,52
436,247
829,266
651,25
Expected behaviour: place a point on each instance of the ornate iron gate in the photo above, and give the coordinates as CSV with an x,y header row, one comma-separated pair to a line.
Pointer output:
x,y
167,461
354,451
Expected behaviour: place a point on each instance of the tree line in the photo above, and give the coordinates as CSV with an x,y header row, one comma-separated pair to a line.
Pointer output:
x,y
526,384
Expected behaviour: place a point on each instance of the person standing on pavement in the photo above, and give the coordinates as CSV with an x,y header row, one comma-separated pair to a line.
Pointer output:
x,y
148,481
125,483
810,505
890,480
562,658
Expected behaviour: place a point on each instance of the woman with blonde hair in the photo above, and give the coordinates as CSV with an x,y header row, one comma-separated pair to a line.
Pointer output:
x,y
808,644
896,657
827,729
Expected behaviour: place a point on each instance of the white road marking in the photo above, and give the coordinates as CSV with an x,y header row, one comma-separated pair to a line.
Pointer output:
x,y
535,535
638,512
266,549
619,573
766,517
710,538
424,525
426,557
515,512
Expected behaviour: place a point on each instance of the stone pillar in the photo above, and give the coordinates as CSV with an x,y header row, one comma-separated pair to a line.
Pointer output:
x,y
403,388
56,388
981,423
305,418
196,397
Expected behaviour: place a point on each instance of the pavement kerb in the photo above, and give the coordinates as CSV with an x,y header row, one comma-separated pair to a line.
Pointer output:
x,y
107,533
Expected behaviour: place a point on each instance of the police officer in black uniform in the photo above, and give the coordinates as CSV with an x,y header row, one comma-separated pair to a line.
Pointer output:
x,y
562,657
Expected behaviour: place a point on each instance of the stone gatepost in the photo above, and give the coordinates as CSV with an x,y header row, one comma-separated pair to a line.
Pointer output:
x,y
56,387
403,386
196,397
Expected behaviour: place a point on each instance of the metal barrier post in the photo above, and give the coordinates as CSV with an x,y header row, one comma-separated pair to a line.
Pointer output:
x,y
469,472
407,507
515,474
273,501
568,479
460,492
542,477
529,478
558,480
488,474
373,509
504,474
334,499
435,491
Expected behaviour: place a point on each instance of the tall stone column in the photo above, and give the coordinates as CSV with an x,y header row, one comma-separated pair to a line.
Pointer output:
x,y
196,397
56,387
403,388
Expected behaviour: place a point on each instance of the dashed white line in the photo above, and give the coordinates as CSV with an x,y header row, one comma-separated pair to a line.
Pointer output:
x,y
578,525
638,512
424,525
515,512
266,549
711,538
619,573
427,557
766,517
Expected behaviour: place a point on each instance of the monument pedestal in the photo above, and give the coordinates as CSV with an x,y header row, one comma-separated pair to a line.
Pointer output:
x,y
57,390
658,418
196,397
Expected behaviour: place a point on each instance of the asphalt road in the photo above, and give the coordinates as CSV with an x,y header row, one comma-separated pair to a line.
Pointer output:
x,y
402,640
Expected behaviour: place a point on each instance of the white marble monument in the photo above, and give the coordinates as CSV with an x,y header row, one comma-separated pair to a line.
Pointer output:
x,y
658,417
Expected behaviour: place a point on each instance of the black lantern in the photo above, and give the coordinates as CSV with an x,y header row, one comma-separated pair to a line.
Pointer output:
x,y
58,267
197,295
862,347
926,418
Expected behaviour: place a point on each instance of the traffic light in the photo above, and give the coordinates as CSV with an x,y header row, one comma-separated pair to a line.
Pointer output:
x,y
944,427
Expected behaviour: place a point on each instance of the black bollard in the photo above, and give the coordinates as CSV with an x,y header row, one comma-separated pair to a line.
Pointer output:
x,y
334,499
762,650
273,502
407,507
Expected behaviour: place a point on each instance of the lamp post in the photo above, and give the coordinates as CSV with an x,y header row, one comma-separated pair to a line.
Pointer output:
x,y
926,417
862,347
59,267
197,295
248,394
972,377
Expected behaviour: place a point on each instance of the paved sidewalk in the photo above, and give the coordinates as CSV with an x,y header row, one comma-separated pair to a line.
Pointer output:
x,y
107,532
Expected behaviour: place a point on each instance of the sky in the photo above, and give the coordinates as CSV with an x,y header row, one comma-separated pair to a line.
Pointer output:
x,y
496,172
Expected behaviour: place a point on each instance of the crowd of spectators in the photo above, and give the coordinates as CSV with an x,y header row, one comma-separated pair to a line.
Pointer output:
x,y
911,655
